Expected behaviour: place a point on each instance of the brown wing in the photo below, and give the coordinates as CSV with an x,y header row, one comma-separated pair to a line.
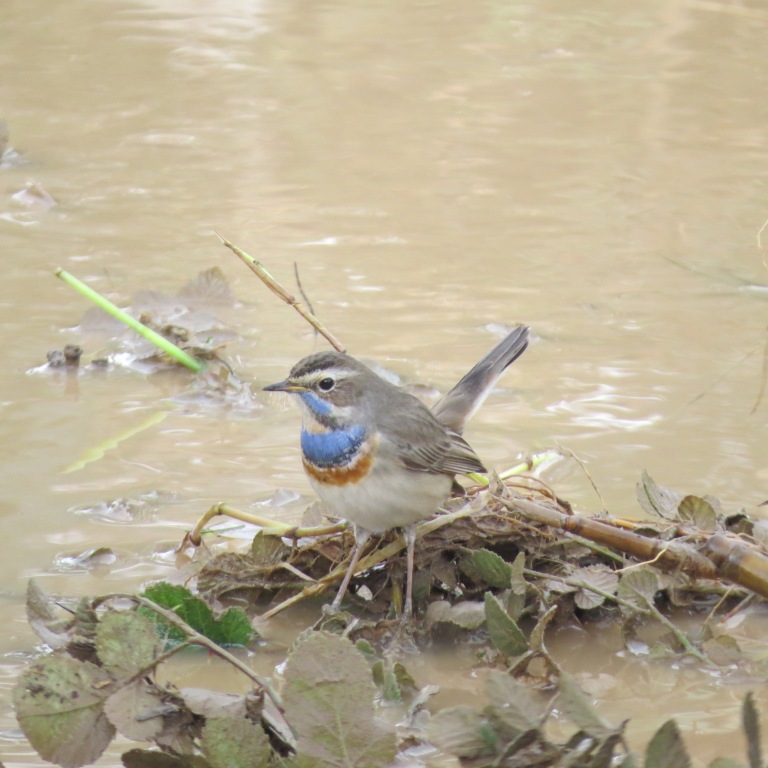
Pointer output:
x,y
421,443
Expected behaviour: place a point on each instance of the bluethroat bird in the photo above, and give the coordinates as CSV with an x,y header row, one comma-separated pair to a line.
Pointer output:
x,y
376,455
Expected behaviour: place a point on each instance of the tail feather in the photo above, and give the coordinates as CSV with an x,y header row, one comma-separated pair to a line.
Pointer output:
x,y
458,405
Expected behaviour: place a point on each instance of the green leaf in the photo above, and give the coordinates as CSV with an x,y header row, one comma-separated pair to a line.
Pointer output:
x,y
506,636
484,566
725,762
328,699
59,706
231,628
698,511
666,748
657,500
127,643
462,731
235,742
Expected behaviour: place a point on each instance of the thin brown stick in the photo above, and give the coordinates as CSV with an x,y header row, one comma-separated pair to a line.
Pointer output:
x,y
195,637
301,288
258,269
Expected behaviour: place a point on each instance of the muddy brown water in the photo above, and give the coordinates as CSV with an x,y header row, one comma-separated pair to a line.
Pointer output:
x,y
436,170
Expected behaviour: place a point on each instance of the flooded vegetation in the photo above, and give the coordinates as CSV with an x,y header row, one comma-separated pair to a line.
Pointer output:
x,y
436,174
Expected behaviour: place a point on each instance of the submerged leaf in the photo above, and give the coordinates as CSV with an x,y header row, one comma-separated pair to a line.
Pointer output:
x,y
506,636
235,742
657,500
59,706
575,705
666,748
514,704
328,700
127,643
693,509
484,566
462,731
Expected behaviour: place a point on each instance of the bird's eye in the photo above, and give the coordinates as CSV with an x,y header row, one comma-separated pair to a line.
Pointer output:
x,y
326,384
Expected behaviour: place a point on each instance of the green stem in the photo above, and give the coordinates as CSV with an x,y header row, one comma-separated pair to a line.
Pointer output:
x,y
524,466
159,341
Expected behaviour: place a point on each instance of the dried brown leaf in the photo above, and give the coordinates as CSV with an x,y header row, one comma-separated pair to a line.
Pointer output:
x,y
59,706
656,499
134,711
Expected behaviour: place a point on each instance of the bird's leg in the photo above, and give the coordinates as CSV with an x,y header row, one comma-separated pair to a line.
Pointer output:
x,y
409,534
361,538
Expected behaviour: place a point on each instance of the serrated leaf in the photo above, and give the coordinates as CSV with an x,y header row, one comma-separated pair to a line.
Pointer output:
x,y
693,509
127,643
231,628
235,742
638,586
328,699
657,500
599,577
666,748
461,731
506,636
577,707
486,567
59,706
514,704
751,723
131,710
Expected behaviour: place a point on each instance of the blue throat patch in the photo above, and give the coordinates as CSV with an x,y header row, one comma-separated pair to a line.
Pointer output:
x,y
332,449
315,404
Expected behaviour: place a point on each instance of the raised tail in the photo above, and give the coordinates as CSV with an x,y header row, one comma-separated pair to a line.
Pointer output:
x,y
458,405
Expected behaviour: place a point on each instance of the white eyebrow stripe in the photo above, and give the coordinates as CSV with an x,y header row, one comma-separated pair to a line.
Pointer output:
x,y
335,371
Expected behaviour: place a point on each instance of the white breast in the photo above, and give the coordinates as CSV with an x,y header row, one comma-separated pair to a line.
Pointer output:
x,y
386,499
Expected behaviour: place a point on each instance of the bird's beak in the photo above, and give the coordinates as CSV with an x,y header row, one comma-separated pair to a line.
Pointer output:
x,y
284,386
